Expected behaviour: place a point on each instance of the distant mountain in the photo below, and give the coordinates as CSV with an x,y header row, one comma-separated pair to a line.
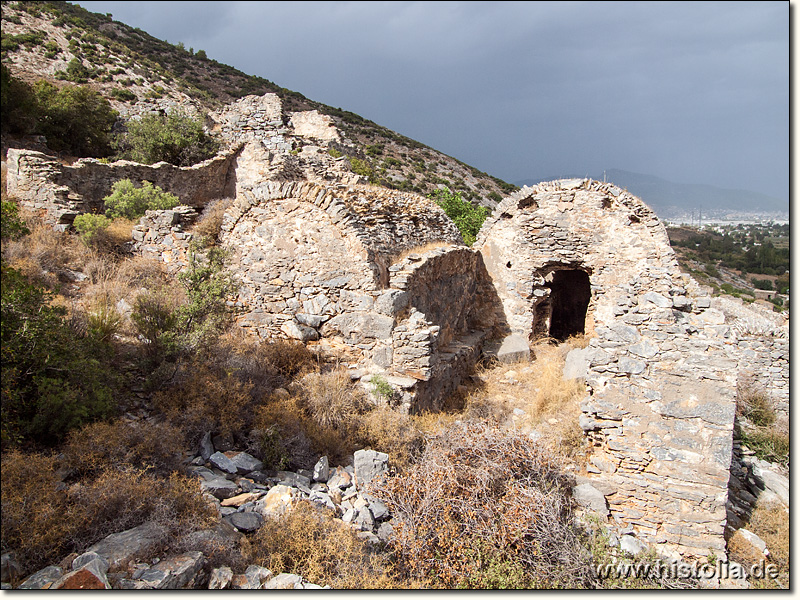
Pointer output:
x,y
670,199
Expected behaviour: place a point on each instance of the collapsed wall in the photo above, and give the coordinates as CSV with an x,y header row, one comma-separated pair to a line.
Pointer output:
x,y
380,274
61,192
660,369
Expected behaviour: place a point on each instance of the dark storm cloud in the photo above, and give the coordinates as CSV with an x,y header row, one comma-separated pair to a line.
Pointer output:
x,y
692,92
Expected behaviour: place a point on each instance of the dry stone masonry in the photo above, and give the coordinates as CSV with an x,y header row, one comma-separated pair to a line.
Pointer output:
x,y
61,192
663,362
384,277
317,261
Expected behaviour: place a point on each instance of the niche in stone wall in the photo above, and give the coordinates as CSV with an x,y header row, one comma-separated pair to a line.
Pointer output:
x,y
561,312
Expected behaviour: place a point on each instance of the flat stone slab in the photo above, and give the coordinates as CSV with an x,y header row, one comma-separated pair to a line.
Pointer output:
x,y
119,548
514,348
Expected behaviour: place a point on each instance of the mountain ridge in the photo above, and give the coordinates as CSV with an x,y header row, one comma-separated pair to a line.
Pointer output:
x,y
137,73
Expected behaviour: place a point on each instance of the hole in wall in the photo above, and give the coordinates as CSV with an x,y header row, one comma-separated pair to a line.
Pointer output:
x,y
508,265
570,293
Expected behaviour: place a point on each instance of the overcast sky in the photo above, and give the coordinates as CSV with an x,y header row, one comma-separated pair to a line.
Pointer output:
x,y
694,92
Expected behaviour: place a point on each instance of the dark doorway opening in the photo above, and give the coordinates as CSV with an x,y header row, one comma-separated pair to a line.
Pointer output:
x,y
570,292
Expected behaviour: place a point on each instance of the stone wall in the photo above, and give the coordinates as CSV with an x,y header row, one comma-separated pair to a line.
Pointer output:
x,y
661,374
162,235
336,263
42,183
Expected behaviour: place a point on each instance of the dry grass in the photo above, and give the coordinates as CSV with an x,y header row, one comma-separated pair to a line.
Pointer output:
x,y
43,521
203,399
209,224
43,253
157,447
485,508
771,524
310,542
399,435
532,396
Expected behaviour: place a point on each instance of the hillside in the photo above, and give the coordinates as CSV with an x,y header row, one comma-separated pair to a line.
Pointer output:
x,y
137,73
672,200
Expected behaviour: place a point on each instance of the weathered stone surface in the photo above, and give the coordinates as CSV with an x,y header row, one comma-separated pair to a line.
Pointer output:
x,y
248,522
591,498
321,470
369,465
237,501
206,447
173,573
277,501
284,581
513,349
245,463
89,573
220,487
631,545
220,578
223,463
576,363
777,484
42,579
120,548
755,541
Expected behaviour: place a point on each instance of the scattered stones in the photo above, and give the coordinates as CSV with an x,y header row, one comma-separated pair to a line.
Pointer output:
x,y
223,463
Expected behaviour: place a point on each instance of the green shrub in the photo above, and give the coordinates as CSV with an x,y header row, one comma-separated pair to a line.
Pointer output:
x,y
123,94
11,225
382,389
360,167
74,119
468,217
77,71
52,380
130,202
176,138
19,111
768,444
89,226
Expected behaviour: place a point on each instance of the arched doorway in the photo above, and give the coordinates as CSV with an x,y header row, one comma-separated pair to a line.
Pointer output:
x,y
570,292
561,310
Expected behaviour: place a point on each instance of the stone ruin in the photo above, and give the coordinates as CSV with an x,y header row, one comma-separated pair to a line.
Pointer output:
x,y
383,277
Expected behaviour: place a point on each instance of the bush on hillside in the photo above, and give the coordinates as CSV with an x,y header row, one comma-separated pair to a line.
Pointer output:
x,y
52,380
19,113
468,217
176,138
74,119
130,202
90,226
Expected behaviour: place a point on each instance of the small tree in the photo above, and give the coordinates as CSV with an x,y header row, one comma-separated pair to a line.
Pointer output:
x,y
176,138
468,217
130,202
74,119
